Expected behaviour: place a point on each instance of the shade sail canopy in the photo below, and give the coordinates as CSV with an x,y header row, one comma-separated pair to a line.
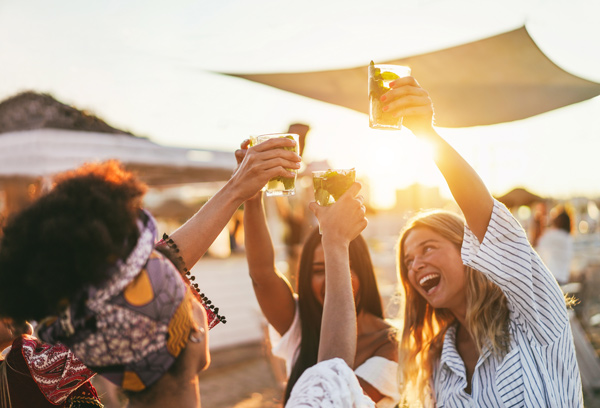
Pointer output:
x,y
498,79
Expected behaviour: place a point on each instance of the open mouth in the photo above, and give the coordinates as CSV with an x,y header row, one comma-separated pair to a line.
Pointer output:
x,y
430,281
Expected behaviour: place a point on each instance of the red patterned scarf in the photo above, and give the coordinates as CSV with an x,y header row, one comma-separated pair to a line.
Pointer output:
x,y
39,374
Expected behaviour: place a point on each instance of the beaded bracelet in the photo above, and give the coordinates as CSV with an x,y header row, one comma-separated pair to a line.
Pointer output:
x,y
213,312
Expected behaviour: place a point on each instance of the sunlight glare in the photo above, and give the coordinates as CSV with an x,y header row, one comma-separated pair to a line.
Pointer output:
x,y
395,161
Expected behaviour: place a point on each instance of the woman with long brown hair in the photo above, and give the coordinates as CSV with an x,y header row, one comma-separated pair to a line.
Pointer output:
x,y
296,317
485,323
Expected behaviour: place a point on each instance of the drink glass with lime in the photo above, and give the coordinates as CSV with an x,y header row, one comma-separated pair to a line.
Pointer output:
x,y
329,185
279,186
380,76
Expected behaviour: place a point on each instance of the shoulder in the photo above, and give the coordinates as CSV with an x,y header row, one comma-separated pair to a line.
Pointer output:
x,y
377,338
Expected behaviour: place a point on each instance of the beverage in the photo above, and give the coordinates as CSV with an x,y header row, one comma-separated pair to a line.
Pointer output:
x,y
380,76
329,185
279,186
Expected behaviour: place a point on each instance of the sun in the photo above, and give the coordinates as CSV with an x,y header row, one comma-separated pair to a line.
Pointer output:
x,y
396,160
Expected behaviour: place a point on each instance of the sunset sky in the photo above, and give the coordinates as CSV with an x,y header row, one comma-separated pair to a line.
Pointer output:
x,y
150,67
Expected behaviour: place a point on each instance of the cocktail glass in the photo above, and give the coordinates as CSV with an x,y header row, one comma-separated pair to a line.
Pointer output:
x,y
380,76
279,186
329,185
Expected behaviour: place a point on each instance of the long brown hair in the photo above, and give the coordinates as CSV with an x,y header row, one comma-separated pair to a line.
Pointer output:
x,y
311,311
424,326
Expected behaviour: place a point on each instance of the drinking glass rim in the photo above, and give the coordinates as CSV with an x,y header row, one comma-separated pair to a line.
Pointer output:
x,y
393,66
317,173
275,134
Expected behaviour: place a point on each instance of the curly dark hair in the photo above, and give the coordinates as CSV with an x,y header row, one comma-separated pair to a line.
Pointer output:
x,y
68,238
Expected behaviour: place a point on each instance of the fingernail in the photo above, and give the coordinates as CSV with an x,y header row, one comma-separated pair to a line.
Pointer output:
x,y
385,108
392,84
383,98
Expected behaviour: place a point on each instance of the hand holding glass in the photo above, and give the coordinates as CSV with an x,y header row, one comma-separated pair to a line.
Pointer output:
x,y
380,76
329,185
279,186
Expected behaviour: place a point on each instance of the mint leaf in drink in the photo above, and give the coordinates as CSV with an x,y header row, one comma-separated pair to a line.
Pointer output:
x,y
288,182
322,197
337,183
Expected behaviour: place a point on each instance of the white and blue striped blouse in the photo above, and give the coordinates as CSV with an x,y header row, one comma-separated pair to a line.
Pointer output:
x,y
540,369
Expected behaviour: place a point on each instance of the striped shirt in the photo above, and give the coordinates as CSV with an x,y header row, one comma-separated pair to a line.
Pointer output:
x,y
540,368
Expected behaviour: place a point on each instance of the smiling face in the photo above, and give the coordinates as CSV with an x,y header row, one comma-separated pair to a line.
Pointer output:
x,y
435,269
318,276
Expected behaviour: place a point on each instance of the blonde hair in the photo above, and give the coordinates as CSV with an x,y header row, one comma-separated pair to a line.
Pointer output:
x,y
424,326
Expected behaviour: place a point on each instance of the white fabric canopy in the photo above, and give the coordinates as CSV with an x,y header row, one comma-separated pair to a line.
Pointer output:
x,y
44,152
499,79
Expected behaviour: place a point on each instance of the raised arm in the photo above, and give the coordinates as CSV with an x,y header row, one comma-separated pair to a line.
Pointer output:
x,y
262,162
272,290
340,224
408,99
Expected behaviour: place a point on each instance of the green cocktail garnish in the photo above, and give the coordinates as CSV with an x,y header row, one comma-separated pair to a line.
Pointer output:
x,y
377,89
331,185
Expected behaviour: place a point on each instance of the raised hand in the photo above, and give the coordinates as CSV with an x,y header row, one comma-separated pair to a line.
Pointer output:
x,y
257,165
345,219
408,99
260,163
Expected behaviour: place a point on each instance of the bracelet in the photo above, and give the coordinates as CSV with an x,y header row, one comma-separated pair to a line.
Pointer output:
x,y
194,339
206,303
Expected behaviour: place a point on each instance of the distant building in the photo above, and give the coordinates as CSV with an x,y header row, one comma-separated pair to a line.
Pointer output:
x,y
417,197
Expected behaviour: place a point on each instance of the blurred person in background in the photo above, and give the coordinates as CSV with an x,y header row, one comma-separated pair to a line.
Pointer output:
x,y
555,245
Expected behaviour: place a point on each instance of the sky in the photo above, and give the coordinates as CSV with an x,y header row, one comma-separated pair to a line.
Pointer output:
x,y
152,67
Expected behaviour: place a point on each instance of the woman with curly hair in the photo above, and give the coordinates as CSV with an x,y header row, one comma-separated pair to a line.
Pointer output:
x,y
124,306
485,323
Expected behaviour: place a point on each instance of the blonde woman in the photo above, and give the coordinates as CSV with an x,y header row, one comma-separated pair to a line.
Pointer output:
x,y
486,323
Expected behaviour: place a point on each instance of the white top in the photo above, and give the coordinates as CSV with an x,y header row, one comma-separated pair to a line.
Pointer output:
x,y
328,384
555,247
540,369
378,371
